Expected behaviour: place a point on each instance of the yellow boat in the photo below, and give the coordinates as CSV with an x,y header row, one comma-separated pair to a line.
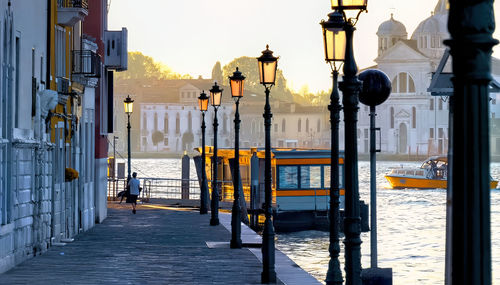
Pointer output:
x,y
432,174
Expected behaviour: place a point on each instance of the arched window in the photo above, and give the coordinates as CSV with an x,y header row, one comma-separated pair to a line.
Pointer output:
x,y
403,83
414,117
307,125
392,117
144,122
299,125
318,126
190,122
283,125
156,122
165,124
177,124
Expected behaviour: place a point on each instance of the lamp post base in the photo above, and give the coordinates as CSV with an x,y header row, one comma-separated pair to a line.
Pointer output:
x,y
214,222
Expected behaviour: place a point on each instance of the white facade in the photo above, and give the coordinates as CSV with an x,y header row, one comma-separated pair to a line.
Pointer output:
x,y
38,208
180,126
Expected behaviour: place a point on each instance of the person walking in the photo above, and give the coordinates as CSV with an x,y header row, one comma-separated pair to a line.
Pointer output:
x,y
133,185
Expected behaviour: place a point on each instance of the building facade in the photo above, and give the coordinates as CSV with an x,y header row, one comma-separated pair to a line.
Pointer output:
x,y
49,85
412,121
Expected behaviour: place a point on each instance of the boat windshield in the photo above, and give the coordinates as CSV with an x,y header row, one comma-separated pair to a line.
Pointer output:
x,y
439,164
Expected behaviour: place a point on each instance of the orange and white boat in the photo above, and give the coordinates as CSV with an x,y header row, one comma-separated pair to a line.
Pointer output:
x,y
432,174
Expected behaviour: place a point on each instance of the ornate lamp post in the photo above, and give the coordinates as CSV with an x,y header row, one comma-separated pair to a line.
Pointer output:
x,y
236,81
350,88
128,104
471,25
216,95
267,72
334,42
203,104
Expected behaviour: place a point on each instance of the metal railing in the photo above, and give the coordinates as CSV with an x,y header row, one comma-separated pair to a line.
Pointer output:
x,y
171,188
165,188
86,63
73,4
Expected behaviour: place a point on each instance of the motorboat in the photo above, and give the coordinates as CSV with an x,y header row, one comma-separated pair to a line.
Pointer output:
x,y
433,173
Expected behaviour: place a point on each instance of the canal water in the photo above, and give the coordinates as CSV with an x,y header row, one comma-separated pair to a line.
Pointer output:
x,y
411,227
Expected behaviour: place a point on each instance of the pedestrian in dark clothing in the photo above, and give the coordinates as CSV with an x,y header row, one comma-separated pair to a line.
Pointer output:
x,y
133,186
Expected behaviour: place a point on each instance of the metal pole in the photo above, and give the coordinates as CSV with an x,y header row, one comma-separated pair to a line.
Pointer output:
x,y
352,222
334,274
114,166
236,213
129,152
373,191
203,189
268,273
214,220
471,25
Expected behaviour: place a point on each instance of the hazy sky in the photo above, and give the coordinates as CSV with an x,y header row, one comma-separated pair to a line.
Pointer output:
x,y
191,35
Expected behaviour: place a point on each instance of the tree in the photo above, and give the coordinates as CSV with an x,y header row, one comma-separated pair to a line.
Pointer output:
x,y
217,72
141,66
157,137
249,67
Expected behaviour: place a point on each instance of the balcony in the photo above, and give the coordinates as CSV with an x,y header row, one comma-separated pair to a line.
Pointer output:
x,y
86,63
70,12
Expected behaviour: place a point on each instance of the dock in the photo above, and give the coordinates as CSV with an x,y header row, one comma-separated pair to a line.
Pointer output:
x,y
161,244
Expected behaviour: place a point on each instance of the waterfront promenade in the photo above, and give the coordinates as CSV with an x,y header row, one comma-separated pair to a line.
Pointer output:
x,y
158,245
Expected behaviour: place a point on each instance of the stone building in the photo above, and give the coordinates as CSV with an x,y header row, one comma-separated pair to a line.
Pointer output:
x,y
411,120
48,116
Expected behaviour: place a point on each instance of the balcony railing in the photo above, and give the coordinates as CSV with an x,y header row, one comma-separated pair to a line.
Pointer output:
x,y
73,4
86,63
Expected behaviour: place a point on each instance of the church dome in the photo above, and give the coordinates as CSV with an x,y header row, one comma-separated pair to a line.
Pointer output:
x,y
435,24
392,27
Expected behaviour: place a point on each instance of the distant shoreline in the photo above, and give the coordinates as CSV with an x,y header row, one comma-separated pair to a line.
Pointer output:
x,y
361,157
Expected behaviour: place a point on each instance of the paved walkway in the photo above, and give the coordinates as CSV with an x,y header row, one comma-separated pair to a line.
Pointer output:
x,y
158,245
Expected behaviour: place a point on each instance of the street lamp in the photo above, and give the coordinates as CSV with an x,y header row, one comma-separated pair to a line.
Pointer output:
x,y
334,42
350,87
128,104
376,89
203,104
267,72
236,82
216,95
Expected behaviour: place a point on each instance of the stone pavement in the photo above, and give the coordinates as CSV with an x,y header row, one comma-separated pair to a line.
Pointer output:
x,y
158,245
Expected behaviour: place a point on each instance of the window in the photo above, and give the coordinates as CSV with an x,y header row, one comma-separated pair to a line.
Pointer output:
x,y
403,83
440,104
307,125
431,107
17,67
177,124
431,133
156,122
326,176
288,177
60,52
190,122
310,177
318,126
392,117
165,124
283,125
144,122
414,117
275,128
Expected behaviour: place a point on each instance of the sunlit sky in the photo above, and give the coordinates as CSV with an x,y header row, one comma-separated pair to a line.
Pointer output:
x,y
189,36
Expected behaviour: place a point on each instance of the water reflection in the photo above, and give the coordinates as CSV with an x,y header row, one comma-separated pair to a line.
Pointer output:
x,y
411,227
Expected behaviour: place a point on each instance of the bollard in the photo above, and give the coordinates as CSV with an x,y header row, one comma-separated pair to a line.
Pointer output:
x,y
185,177
376,276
